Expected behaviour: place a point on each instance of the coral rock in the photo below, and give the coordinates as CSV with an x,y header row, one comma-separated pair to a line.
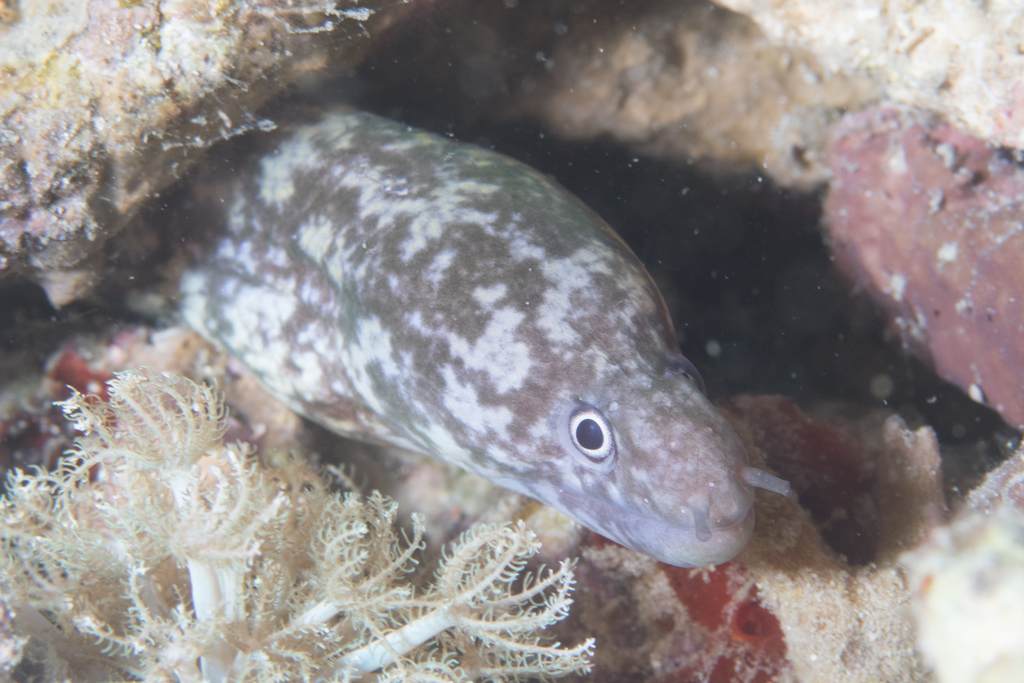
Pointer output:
x,y
105,103
958,57
968,585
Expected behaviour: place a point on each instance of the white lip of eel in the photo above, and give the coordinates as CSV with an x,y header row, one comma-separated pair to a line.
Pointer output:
x,y
670,543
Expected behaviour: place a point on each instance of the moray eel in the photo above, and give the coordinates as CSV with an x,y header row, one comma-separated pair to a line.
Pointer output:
x,y
401,288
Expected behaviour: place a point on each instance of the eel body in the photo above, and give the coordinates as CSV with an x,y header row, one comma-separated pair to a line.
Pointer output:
x,y
402,288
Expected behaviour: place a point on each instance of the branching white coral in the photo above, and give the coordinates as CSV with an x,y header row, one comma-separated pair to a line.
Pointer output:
x,y
155,552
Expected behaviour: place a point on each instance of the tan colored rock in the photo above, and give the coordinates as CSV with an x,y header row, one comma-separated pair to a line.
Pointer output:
x,y
104,103
692,81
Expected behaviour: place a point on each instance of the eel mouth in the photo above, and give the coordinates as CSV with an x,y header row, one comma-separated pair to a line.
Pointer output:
x,y
674,543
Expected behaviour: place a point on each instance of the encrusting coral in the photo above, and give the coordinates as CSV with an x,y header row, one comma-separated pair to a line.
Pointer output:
x,y
156,552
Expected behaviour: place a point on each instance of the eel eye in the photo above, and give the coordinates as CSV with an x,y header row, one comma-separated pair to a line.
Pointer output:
x,y
678,364
591,434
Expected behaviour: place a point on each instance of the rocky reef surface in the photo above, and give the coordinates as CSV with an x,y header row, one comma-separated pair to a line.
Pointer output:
x,y
829,196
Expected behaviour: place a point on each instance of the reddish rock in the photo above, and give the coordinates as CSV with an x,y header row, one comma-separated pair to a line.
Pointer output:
x,y
69,371
743,640
931,221
662,624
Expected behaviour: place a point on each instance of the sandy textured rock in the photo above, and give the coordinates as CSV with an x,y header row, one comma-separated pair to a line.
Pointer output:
x,y
105,103
842,622
930,221
960,58
692,81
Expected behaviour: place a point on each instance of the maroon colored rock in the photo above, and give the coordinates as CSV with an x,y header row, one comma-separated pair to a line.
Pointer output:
x,y
931,222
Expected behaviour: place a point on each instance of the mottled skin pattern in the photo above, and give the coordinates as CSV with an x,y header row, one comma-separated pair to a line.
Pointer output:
x,y
399,287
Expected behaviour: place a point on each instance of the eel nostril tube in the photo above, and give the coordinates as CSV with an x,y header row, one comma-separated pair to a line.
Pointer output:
x,y
762,480
701,521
